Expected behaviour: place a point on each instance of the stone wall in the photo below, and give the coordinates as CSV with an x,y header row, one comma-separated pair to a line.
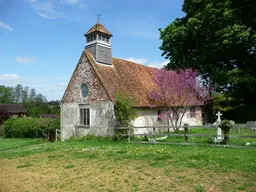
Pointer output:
x,y
84,74
101,118
101,107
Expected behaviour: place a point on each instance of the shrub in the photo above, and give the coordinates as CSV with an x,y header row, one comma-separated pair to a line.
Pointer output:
x,y
226,125
125,112
30,127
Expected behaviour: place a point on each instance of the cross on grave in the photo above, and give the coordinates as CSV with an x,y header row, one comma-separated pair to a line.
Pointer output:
x,y
219,132
219,114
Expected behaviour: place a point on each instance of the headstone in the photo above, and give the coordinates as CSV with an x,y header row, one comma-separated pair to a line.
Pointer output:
x,y
219,132
251,125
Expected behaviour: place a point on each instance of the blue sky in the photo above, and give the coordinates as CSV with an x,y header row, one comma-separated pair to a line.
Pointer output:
x,y
41,40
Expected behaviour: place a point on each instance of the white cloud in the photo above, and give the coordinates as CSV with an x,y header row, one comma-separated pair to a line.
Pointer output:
x,y
44,15
137,60
5,26
24,60
46,9
78,3
8,77
155,64
54,9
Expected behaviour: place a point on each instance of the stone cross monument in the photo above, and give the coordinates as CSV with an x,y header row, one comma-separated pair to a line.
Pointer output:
x,y
219,133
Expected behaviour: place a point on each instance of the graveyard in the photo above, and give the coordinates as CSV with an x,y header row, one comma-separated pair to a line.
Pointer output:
x,y
120,96
99,164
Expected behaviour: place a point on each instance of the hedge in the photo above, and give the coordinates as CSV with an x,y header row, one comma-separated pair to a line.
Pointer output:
x,y
29,127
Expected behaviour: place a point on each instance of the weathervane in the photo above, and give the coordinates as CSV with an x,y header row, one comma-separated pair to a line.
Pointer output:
x,y
98,17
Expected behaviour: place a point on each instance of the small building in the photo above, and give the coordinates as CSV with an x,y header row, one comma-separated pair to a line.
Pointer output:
x,y
87,106
14,110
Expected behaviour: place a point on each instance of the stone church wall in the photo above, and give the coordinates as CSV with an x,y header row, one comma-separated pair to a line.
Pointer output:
x,y
101,108
101,118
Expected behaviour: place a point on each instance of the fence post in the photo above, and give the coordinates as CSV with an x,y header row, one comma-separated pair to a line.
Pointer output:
x,y
185,132
154,134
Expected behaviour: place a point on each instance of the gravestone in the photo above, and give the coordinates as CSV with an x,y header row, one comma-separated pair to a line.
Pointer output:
x,y
251,125
219,132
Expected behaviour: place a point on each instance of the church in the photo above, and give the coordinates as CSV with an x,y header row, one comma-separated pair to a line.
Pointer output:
x,y
88,103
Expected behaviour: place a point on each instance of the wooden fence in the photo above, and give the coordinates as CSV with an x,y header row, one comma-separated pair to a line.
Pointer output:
x,y
156,133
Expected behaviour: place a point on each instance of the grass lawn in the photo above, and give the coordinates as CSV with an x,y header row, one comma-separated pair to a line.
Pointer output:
x,y
17,143
91,165
208,133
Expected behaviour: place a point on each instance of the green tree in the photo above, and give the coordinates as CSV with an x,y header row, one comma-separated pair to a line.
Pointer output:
x,y
18,93
218,38
25,93
6,94
32,95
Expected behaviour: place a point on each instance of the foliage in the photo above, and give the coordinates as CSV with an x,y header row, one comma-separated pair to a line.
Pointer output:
x,y
175,93
30,127
217,38
35,104
6,94
125,112
226,126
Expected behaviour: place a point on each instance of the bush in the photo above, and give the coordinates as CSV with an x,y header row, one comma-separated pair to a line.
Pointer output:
x,y
125,113
226,125
30,127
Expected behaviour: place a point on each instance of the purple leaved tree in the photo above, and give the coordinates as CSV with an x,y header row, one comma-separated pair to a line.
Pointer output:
x,y
175,93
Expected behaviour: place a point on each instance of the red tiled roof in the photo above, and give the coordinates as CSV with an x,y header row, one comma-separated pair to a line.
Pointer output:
x,y
131,78
98,27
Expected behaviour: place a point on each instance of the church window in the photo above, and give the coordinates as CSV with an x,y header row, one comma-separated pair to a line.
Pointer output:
x,y
94,37
192,112
107,39
103,39
99,37
84,90
85,116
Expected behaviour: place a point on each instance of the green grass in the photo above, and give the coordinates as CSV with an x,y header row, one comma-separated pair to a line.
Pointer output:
x,y
11,143
208,138
25,165
69,166
127,167
156,155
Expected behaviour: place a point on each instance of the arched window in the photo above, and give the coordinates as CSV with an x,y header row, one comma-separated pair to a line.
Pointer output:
x,y
84,89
